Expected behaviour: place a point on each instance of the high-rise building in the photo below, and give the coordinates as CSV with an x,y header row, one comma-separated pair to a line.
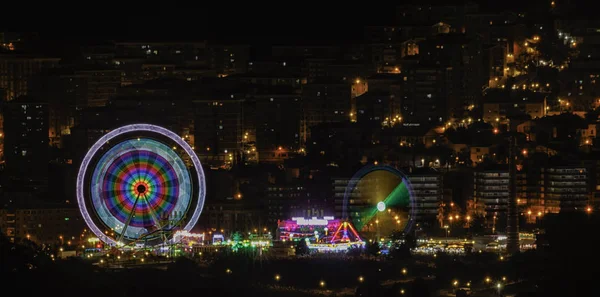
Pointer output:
x,y
17,69
66,94
567,189
491,192
277,122
425,93
26,138
428,188
325,103
219,129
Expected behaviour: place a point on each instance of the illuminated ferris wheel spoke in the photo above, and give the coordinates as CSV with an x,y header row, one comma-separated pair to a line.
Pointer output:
x,y
147,165
129,218
156,220
153,214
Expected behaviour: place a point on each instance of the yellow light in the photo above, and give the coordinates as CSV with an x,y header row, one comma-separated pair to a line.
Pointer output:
x,y
404,271
487,280
277,277
361,279
322,284
588,209
402,291
357,81
539,213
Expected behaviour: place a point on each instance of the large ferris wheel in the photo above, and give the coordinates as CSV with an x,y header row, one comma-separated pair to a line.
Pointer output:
x,y
140,183
380,200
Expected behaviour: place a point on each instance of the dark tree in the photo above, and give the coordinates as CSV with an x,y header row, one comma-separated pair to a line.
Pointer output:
x,y
302,248
373,248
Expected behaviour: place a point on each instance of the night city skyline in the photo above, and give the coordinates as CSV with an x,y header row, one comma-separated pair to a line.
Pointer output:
x,y
414,148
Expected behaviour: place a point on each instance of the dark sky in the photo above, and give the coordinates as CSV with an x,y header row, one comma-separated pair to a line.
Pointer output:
x,y
217,22
249,22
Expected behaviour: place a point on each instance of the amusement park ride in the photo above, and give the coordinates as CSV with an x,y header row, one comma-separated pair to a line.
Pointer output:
x,y
142,187
326,234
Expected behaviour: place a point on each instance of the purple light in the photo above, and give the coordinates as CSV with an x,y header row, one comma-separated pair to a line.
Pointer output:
x,y
133,128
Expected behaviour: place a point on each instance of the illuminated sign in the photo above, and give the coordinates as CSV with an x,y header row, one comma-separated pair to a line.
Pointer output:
x,y
312,221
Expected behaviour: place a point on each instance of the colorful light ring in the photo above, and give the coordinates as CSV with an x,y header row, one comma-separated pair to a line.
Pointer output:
x,y
141,177
166,185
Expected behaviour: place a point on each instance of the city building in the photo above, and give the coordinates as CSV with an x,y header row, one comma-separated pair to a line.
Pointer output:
x,y
490,191
425,93
52,226
219,129
228,216
26,141
277,121
567,188
17,69
428,188
324,102
499,105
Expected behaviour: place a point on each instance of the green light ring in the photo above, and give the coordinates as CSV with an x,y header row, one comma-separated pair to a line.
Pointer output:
x,y
372,168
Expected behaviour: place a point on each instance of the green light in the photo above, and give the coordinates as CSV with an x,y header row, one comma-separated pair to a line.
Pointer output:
x,y
66,219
